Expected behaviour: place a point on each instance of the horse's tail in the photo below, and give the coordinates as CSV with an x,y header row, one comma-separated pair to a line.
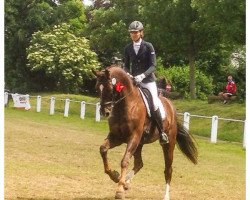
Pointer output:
x,y
186,143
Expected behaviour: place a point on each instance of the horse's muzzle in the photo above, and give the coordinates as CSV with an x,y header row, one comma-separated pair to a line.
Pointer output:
x,y
105,112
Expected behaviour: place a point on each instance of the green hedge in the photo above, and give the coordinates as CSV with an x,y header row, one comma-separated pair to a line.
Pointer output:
x,y
179,77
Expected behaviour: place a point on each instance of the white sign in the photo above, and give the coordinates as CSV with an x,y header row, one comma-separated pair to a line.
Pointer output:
x,y
21,101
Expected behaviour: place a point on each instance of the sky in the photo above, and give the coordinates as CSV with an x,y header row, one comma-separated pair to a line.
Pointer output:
x,y
87,2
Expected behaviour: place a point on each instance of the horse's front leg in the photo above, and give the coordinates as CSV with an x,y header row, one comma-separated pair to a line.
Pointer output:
x,y
109,144
130,150
138,164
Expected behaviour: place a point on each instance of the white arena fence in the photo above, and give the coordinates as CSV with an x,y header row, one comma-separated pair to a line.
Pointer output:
x,y
96,106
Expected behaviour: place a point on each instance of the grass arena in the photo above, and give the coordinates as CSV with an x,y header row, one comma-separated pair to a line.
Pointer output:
x,y
51,157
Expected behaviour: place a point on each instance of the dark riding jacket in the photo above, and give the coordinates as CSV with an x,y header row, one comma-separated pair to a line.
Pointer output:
x,y
143,62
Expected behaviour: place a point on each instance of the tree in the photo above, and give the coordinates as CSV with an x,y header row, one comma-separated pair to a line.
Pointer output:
x,y
187,29
179,36
22,19
71,12
229,18
200,33
66,59
108,25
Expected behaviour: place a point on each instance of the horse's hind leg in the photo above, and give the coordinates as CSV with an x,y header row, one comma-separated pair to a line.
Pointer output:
x,y
168,150
138,164
108,144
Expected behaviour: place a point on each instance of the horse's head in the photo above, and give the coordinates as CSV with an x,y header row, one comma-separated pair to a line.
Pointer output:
x,y
110,83
105,89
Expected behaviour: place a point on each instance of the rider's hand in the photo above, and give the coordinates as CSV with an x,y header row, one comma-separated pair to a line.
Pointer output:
x,y
139,78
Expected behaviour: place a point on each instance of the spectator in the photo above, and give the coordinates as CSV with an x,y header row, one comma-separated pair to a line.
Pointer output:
x,y
230,89
164,86
168,86
161,83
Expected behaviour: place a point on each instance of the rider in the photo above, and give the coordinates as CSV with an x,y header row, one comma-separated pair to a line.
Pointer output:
x,y
140,62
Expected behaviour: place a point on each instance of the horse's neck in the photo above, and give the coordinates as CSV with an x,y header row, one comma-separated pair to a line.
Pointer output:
x,y
130,94
130,98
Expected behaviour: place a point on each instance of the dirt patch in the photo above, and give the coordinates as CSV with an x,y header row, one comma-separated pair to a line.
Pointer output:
x,y
55,162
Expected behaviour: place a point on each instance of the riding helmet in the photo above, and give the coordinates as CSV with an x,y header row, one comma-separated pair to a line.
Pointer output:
x,y
135,26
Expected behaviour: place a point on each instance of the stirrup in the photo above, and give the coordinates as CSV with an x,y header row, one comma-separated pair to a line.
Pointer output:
x,y
163,138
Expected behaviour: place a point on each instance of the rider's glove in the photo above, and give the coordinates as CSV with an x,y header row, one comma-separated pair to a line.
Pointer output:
x,y
139,78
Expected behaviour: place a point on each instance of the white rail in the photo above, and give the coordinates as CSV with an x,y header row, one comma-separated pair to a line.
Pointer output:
x,y
214,125
186,115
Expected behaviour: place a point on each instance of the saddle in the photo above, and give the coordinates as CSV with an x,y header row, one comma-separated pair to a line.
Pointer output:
x,y
148,100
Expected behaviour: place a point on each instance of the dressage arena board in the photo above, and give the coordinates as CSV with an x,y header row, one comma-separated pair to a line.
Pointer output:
x,y
50,157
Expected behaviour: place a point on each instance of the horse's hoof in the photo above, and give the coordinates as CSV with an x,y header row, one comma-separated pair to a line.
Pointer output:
x,y
119,195
127,186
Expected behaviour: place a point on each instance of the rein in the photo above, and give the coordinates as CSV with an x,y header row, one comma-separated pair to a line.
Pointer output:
x,y
117,101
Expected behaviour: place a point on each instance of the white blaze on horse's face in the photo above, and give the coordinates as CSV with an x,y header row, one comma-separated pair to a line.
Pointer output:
x,y
101,88
105,108
113,81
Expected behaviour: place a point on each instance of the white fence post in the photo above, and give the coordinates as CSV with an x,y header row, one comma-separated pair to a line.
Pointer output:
x,y
82,109
66,108
6,96
52,106
97,113
27,106
214,129
186,120
244,136
38,104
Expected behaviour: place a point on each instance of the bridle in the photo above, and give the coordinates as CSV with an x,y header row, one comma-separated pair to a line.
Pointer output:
x,y
113,102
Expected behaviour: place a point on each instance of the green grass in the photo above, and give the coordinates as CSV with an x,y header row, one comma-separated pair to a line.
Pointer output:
x,y
53,157
43,117
227,130
198,107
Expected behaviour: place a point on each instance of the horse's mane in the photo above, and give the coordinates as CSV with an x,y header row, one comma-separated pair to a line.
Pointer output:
x,y
118,73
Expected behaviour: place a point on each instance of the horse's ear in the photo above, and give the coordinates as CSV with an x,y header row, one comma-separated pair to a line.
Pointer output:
x,y
95,72
107,73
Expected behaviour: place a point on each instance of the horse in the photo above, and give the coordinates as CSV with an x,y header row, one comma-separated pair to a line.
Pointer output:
x,y
129,122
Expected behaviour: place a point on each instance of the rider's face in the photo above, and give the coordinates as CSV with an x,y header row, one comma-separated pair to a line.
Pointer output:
x,y
135,35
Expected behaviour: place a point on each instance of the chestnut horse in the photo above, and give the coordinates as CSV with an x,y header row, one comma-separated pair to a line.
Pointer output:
x,y
120,99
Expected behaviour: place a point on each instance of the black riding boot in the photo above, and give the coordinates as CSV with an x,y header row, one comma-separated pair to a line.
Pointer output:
x,y
163,136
